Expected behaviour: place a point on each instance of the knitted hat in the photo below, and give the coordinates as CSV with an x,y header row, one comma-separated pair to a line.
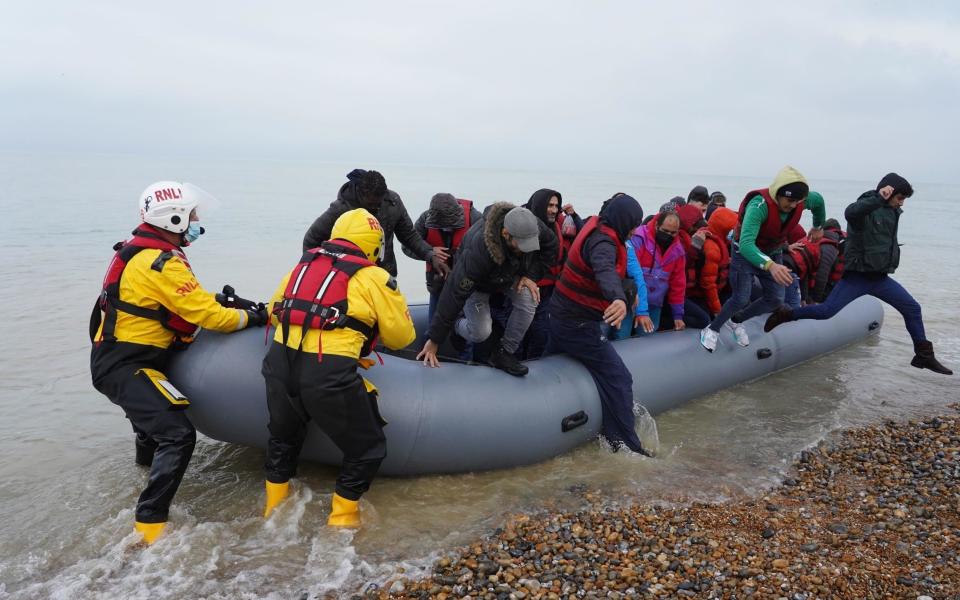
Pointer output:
x,y
795,191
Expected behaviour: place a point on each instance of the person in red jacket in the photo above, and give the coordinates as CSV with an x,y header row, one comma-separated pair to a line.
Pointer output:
x,y
713,265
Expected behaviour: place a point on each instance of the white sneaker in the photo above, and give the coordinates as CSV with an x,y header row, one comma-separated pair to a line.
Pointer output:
x,y
739,332
709,339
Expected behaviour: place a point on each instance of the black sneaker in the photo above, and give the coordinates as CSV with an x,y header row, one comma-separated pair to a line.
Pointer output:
x,y
503,360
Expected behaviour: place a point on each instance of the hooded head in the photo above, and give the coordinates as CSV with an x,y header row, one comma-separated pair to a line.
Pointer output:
x,y
690,218
789,187
444,213
543,205
623,214
831,224
361,228
722,221
899,184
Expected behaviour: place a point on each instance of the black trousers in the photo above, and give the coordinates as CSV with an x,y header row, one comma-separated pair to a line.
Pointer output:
x,y
331,393
160,426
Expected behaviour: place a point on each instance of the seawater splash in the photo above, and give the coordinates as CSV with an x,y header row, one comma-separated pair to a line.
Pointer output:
x,y
646,427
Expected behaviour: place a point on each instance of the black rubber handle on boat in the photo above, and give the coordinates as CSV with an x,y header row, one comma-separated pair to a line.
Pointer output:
x,y
873,326
573,421
763,353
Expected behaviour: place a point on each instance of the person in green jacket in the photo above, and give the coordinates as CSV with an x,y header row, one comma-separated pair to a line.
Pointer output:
x,y
766,216
872,253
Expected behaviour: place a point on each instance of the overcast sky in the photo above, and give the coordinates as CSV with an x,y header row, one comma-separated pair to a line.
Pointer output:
x,y
847,90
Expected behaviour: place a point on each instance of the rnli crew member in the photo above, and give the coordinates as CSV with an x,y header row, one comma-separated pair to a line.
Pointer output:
x,y
766,217
547,206
329,309
150,305
368,189
443,225
590,293
504,252
871,254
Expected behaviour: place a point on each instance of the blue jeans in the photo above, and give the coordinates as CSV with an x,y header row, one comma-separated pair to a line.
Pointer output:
x,y
853,285
741,284
791,296
584,341
535,342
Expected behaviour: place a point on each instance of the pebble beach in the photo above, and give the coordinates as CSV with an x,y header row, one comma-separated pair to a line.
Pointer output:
x,y
868,513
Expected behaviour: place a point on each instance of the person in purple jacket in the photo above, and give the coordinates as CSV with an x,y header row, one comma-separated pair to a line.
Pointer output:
x,y
663,262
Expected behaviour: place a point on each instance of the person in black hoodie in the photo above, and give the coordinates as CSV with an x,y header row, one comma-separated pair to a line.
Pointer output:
x,y
590,293
506,251
547,206
871,254
368,189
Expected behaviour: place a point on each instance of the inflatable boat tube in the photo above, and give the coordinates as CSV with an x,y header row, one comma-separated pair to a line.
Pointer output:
x,y
464,417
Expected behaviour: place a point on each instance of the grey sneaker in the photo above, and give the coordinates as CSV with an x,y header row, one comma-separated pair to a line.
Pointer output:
x,y
740,333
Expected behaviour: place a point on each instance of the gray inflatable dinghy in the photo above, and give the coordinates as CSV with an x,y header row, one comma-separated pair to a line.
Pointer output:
x,y
464,417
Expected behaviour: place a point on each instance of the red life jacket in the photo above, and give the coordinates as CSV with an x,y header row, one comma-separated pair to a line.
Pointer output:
x,y
550,277
723,267
836,274
435,236
109,303
773,233
576,280
807,260
316,294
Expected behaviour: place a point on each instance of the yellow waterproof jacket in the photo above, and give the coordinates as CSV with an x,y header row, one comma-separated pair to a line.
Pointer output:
x,y
373,298
174,287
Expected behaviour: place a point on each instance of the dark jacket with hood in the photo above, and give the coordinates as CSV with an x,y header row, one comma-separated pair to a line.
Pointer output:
x,y
486,264
434,281
871,245
392,215
538,202
623,214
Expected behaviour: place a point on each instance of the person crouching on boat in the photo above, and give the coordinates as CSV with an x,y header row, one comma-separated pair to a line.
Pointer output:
x,y
871,254
589,293
443,226
151,305
330,310
506,252
766,217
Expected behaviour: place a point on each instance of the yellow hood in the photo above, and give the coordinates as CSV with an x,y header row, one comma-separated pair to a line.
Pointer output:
x,y
361,228
786,176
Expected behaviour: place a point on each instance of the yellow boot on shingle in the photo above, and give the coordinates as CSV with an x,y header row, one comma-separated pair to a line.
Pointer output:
x,y
276,492
343,512
150,531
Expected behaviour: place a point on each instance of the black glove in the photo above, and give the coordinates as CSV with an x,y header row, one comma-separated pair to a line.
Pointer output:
x,y
257,316
230,299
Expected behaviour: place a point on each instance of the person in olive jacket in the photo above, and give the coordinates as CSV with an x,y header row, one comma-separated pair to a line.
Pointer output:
x,y
872,253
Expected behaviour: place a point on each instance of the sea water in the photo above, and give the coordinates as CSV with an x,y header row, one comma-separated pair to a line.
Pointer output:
x,y
68,483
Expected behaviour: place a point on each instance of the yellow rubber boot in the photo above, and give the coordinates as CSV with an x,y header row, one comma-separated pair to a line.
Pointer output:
x,y
343,512
276,492
150,531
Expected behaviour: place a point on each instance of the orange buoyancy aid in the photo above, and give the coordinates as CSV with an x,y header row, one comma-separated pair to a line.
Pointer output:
x,y
109,303
773,232
723,267
435,236
316,293
577,281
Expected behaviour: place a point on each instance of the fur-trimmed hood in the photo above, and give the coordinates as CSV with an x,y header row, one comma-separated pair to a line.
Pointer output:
x,y
493,217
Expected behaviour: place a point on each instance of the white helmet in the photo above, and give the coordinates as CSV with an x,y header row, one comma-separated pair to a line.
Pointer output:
x,y
168,204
